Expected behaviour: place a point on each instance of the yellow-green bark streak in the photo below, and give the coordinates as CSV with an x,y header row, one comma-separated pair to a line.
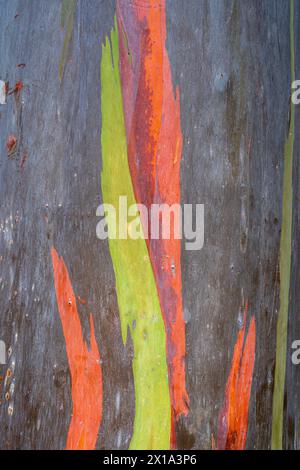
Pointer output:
x,y
135,284
285,265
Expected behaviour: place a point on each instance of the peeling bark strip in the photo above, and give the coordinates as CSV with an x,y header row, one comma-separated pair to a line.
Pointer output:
x,y
84,364
233,418
135,284
68,8
152,119
3,92
285,263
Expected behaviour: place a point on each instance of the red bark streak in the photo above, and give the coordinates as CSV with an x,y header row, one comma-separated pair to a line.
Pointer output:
x,y
152,119
233,418
11,143
84,364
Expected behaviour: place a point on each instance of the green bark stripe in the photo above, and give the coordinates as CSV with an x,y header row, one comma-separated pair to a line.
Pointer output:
x,y
285,264
135,284
68,8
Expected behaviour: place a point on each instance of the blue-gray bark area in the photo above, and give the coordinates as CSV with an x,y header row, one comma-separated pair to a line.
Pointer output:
x,y
231,60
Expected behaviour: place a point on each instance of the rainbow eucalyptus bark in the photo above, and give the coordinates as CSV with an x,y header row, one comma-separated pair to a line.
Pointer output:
x,y
203,116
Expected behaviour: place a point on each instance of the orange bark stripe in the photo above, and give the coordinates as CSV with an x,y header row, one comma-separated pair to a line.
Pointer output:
x,y
84,362
152,118
233,418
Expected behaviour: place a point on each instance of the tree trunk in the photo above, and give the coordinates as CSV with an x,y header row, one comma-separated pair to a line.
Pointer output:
x,y
105,99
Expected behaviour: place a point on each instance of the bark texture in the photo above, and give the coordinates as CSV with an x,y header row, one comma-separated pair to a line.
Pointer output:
x,y
231,60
